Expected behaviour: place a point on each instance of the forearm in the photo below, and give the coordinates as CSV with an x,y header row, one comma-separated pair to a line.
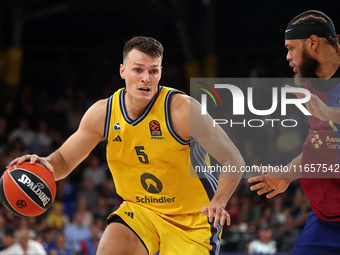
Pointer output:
x,y
226,187
59,165
292,166
228,181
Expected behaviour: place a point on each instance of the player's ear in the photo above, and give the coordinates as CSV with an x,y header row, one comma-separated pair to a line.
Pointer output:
x,y
121,71
314,41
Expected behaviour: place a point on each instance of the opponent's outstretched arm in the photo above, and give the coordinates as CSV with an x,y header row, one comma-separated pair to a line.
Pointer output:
x,y
322,111
275,183
319,109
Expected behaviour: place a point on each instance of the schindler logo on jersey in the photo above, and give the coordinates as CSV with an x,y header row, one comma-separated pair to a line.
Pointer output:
x,y
153,185
221,90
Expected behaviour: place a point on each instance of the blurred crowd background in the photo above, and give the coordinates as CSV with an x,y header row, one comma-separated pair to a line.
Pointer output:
x,y
58,58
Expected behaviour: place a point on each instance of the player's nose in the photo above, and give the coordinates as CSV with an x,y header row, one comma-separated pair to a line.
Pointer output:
x,y
289,56
146,77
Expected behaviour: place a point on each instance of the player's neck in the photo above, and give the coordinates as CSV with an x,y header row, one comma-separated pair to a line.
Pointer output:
x,y
134,108
328,69
329,64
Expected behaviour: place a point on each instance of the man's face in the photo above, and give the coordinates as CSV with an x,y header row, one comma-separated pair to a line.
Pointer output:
x,y
142,74
304,65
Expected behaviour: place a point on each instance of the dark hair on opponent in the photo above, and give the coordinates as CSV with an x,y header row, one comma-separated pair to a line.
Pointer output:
x,y
315,17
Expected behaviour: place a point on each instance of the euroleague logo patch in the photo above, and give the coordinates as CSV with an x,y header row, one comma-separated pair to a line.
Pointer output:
x,y
155,128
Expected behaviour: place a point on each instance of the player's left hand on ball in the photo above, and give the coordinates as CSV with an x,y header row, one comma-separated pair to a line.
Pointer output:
x,y
216,213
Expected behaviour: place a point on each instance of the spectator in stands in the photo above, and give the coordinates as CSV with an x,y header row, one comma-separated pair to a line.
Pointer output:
x,y
278,213
74,117
24,245
89,191
94,171
89,247
56,219
3,162
287,235
102,209
60,246
23,132
250,212
7,239
16,147
44,239
29,224
3,135
2,226
265,243
75,233
233,208
82,205
67,193
43,142
10,113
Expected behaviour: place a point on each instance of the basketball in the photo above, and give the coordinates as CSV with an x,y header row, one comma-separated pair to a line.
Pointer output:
x,y
28,189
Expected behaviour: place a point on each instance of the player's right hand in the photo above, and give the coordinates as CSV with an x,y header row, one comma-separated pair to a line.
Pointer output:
x,y
32,158
217,214
269,184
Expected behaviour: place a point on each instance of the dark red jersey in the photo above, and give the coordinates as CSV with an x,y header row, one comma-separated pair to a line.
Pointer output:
x,y
321,154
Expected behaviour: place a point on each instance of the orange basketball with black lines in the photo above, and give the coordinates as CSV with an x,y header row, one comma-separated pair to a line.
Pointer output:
x,y
27,189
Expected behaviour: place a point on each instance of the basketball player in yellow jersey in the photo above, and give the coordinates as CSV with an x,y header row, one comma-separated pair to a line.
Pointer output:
x,y
148,132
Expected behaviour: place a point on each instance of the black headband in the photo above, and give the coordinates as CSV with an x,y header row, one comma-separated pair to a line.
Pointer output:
x,y
303,31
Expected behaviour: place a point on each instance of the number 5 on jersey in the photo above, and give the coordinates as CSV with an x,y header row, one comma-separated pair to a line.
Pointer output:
x,y
143,158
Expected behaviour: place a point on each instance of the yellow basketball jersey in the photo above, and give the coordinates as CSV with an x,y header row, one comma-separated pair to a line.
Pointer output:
x,y
149,162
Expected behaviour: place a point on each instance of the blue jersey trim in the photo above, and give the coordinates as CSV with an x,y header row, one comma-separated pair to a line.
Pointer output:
x,y
208,180
108,117
168,118
143,115
215,240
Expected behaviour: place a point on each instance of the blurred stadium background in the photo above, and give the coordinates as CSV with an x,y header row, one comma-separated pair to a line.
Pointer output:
x,y
58,57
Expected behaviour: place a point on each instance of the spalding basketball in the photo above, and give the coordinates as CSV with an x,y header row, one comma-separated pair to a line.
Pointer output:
x,y
27,189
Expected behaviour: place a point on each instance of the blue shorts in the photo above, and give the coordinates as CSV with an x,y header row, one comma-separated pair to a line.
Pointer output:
x,y
318,237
